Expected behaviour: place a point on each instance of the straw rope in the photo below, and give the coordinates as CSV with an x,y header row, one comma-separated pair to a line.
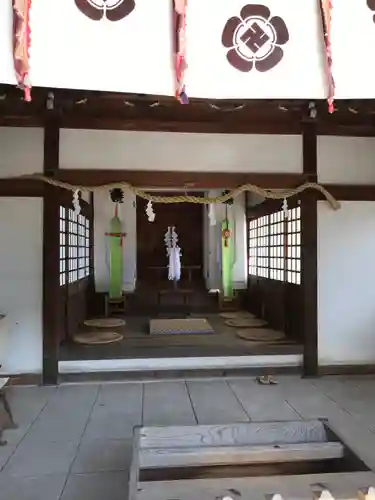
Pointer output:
x,y
271,193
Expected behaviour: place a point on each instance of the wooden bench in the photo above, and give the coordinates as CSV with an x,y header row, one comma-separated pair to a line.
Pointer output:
x,y
6,418
271,460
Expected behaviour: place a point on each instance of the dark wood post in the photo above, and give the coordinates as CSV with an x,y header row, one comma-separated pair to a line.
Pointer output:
x,y
309,259
51,252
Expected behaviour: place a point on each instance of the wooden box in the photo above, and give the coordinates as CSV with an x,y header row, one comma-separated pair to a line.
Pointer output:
x,y
292,460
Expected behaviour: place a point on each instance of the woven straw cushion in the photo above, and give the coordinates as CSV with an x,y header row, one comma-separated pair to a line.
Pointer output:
x,y
104,322
246,322
97,337
236,314
260,334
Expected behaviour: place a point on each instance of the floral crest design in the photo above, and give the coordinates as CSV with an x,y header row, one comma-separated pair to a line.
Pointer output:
x,y
371,6
254,39
113,10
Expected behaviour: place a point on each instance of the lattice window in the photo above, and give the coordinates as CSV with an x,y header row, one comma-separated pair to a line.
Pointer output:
x,y
253,246
87,246
81,246
73,245
263,247
63,258
276,246
293,264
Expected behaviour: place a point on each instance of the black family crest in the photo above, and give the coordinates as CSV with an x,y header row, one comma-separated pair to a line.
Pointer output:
x,y
371,6
113,10
255,39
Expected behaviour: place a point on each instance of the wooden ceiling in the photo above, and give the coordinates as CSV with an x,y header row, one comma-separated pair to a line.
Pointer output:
x,y
111,111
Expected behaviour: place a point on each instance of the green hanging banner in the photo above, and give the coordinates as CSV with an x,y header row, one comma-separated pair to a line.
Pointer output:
x,y
227,255
116,237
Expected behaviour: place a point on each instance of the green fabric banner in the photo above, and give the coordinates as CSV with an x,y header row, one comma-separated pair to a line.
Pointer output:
x,y
115,236
227,257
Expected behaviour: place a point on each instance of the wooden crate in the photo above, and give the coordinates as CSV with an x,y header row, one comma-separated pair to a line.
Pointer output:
x,y
161,453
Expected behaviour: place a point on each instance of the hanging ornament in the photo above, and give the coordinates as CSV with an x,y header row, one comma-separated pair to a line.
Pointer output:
x,y
75,202
179,33
21,44
117,195
227,261
226,235
211,214
326,13
285,208
150,212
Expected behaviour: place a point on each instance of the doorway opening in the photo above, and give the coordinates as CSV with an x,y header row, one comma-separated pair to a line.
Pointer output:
x,y
187,219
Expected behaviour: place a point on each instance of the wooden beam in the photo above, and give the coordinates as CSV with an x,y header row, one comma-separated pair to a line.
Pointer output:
x,y
309,259
235,455
115,111
247,433
21,187
51,255
179,179
350,192
218,125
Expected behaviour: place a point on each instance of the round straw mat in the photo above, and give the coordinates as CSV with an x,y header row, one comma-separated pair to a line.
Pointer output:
x,y
246,322
104,322
98,337
260,334
236,314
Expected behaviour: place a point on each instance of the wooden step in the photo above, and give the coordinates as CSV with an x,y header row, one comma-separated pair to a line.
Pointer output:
x,y
233,455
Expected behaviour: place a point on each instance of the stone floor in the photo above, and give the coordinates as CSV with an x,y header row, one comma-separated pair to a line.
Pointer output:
x,y
73,441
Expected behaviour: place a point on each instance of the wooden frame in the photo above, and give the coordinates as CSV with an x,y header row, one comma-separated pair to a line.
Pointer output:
x,y
80,109
114,111
75,289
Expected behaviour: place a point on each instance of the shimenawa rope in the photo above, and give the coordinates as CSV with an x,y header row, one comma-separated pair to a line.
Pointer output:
x,y
270,193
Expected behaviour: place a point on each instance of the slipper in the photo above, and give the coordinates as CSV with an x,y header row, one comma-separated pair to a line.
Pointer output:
x,y
266,380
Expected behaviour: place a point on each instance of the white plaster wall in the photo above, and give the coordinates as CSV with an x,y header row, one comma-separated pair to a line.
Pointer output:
x,y
103,212
21,151
346,160
21,284
86,196
104,149
346,278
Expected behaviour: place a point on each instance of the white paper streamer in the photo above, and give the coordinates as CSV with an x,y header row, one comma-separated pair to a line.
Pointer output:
x,y
211,214
75,202
150,212
173,254
285,208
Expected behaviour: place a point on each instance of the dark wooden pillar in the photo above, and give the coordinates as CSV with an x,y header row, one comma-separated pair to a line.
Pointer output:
x,y
51,253
309,235
91,302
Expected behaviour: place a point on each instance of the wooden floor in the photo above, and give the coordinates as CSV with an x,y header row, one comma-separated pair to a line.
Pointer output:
x,y
74,441
138,343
